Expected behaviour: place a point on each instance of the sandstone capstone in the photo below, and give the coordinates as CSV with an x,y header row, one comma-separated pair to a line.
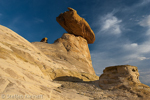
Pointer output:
x,y
74,24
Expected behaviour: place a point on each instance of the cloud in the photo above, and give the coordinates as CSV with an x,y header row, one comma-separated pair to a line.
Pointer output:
x,y
148,31
136,7
145,22
142,3
130,46
137,52
110,24
143,48
143,58
0,14
145,76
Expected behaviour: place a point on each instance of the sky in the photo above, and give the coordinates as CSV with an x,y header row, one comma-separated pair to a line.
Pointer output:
x,y
121,27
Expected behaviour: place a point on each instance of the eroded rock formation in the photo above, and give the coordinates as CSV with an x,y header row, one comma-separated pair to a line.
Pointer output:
x,y
74,24
124,77
23,73
31,69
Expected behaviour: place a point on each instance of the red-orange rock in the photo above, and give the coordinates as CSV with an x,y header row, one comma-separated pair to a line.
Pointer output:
x,y
74,24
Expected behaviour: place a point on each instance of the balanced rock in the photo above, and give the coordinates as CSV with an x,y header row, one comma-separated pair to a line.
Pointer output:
x,y
124,77
74,24
73,54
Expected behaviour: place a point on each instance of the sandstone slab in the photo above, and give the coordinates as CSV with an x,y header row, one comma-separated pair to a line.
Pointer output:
x,y
76,25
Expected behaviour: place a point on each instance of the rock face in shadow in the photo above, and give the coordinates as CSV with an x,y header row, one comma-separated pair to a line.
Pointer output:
x,y
123,77
74,24
73,54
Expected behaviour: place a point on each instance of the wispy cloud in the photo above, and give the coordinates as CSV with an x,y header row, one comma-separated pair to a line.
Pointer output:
x,y
110,24
0,14
38,20
145,22
145,76
15,22
142,3
138,5
148,31
137,52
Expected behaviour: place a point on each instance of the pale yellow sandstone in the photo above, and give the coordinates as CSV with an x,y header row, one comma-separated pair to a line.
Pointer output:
x,y
22,71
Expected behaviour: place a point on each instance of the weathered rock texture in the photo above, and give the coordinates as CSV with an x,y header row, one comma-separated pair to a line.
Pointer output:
x,y
23,71
76,25
73,54
26,73
123,77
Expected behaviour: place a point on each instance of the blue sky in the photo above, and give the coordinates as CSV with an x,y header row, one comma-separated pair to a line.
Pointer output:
x,y
122,28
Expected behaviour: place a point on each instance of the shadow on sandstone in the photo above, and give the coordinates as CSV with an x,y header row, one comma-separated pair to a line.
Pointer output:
x,y
76,80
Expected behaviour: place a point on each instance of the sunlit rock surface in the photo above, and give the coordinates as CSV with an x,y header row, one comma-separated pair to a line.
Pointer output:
x,y
73,54
74,24
124,77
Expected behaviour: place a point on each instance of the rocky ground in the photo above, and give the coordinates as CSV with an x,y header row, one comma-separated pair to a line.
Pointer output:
x,y
92,90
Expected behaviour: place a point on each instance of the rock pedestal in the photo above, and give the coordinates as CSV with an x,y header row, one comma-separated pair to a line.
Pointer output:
x,y
76,47
73,54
